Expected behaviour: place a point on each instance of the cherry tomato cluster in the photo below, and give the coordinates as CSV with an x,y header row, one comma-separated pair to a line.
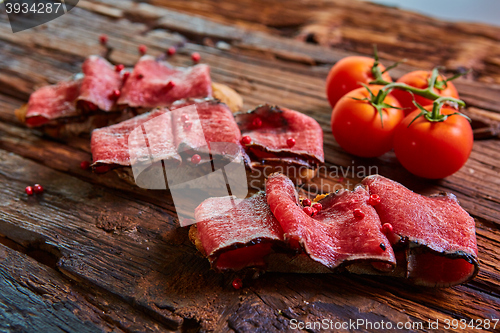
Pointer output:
x,y
416,116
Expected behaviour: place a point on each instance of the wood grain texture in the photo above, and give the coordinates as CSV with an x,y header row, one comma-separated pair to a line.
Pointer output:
x,y
96,252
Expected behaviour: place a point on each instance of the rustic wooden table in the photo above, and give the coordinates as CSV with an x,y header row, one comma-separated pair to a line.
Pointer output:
x,y
95,254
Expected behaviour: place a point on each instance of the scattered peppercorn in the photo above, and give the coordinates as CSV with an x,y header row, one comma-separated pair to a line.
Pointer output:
x,y
195,56
387,228
37,188
103,39
29,190
143,49
119,67
257,122
374,199
246,140
318,206
358,213
85,165
195,159
171,50
237,283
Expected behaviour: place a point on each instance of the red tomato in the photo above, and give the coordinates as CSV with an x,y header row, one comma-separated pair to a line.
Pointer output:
x,y
433,149
420,79
347,74
357,127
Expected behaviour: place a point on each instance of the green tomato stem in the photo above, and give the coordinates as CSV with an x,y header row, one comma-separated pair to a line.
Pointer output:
x,y
426,93
435,115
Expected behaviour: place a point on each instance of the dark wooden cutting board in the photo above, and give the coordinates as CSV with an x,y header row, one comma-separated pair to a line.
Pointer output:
x,y
94,253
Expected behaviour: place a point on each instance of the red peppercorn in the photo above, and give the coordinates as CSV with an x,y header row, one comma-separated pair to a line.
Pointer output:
x,y
171,50
306,202
314,212
143,49
115,94
246,140
290,142
237,283
29,190
382,246
103,39
140,76
37,188
85,165
387,228
195,159
257,122
170,85
318,206
119,67
309,210
184,118
358,213
126,75
374,199
187,125
195,56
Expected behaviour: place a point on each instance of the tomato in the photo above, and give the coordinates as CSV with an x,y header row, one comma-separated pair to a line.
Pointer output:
x,y
357,127
420,79
433,149
347,74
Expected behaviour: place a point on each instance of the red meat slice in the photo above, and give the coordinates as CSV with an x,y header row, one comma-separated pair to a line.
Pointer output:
x,y
440,235
211,125
241,236
270,127
52,102
155,83
99,82
335,236
110,145
201,125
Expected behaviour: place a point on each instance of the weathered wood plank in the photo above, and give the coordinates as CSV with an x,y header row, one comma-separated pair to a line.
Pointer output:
x,y
119,247
356,26
37,298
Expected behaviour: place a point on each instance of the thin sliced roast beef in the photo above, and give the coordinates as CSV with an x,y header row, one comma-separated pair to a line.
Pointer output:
x,y
50,103
75,107
99,82
155,83
236,233
437,234
205,127
111,145
216,120
347,231
278,132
